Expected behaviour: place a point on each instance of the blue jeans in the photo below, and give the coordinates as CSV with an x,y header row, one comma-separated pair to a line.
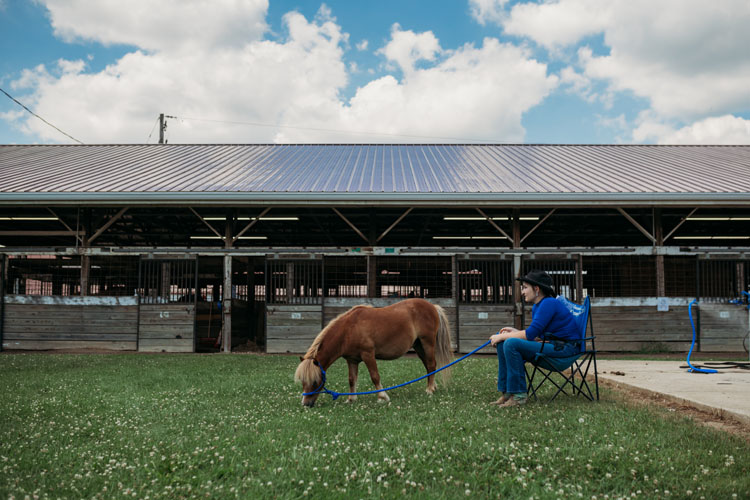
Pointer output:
x,y
513,353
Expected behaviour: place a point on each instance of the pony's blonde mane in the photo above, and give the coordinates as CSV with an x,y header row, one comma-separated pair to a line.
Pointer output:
x,y
312,351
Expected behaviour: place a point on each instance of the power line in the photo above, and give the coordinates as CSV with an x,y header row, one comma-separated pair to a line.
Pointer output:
x,y
45,121
152,130
352,132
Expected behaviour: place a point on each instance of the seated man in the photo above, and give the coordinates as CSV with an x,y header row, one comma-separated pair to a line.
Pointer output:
x,y
515,347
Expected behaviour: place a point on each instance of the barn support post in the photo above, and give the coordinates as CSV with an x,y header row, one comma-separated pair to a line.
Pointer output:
x,y
196,294
518,310
2,299
226,307
290,282
740,278
166,281
697,315
250,282
455,297
85,259
518,313
139,299
372,270
659,243
85,268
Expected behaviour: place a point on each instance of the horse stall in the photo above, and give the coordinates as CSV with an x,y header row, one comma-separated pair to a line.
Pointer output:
x,y
49,322
485,300
632,311
304,295
44,309
723,314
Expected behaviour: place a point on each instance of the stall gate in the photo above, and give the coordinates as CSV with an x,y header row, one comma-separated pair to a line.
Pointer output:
x,y
485,301
167,291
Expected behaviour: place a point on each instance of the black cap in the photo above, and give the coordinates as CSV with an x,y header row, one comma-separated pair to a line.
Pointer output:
x,y
540,279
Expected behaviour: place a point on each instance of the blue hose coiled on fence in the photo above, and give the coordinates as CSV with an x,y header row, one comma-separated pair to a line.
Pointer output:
x,y
692,323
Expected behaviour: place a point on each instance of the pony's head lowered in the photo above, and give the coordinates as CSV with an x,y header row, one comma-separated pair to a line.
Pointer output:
x,y
309,371
309,374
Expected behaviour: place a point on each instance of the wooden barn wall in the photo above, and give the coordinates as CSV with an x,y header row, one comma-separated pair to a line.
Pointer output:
x,y
723,327
166,328
292,328
335,306
636,324
619,324
638,328
41,322
478,322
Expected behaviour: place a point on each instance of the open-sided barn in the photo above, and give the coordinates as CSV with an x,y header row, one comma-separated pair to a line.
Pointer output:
x,y
207,247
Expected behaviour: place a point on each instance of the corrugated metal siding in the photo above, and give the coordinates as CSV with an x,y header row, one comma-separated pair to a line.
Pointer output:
x,y
416,169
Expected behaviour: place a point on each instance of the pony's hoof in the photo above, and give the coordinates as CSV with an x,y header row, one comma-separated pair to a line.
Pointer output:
x,y
384,399
351,399
431,390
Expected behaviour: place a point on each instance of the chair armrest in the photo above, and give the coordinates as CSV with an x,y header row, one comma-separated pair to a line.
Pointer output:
x,y
549,336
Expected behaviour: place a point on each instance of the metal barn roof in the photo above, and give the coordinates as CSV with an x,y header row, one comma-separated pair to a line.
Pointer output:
x,y
388,174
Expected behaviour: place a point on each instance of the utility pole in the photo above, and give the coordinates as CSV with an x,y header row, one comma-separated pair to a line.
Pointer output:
x,y
162,128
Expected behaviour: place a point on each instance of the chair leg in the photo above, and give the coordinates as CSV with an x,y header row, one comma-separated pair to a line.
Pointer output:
x,y
530,383
584,382
596,378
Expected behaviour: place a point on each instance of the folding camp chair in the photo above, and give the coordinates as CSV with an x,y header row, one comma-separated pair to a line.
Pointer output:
x,y
553,369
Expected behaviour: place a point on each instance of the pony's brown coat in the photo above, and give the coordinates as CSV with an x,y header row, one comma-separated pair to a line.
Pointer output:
x,y
365,333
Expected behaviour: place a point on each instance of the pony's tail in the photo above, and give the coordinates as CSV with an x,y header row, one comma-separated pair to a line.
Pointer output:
x,y
443,347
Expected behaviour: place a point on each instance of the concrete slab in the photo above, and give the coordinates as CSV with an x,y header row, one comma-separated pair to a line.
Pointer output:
x,y
726,393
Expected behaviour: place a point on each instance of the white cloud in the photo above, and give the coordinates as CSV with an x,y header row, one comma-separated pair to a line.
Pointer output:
x,y
362,45
577,83
727,129
475,93
558,23
296,80
488,11
686,58
406,48
166,25
252,83
688,62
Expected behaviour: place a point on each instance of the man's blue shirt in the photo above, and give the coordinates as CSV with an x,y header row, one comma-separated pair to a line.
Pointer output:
x,y
551,316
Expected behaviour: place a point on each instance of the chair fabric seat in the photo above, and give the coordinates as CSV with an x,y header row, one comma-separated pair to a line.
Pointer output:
x,y
555,364
551,369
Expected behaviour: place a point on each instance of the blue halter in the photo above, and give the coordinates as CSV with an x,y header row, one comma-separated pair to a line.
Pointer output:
x,y
322,387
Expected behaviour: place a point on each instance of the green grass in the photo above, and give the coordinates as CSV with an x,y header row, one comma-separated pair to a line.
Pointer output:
x,y
232,426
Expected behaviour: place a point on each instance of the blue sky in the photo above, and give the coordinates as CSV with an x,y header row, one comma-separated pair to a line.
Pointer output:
x,y
562,71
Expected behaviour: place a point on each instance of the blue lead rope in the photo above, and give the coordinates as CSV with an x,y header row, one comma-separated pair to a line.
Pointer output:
x,y
692,368
335,395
